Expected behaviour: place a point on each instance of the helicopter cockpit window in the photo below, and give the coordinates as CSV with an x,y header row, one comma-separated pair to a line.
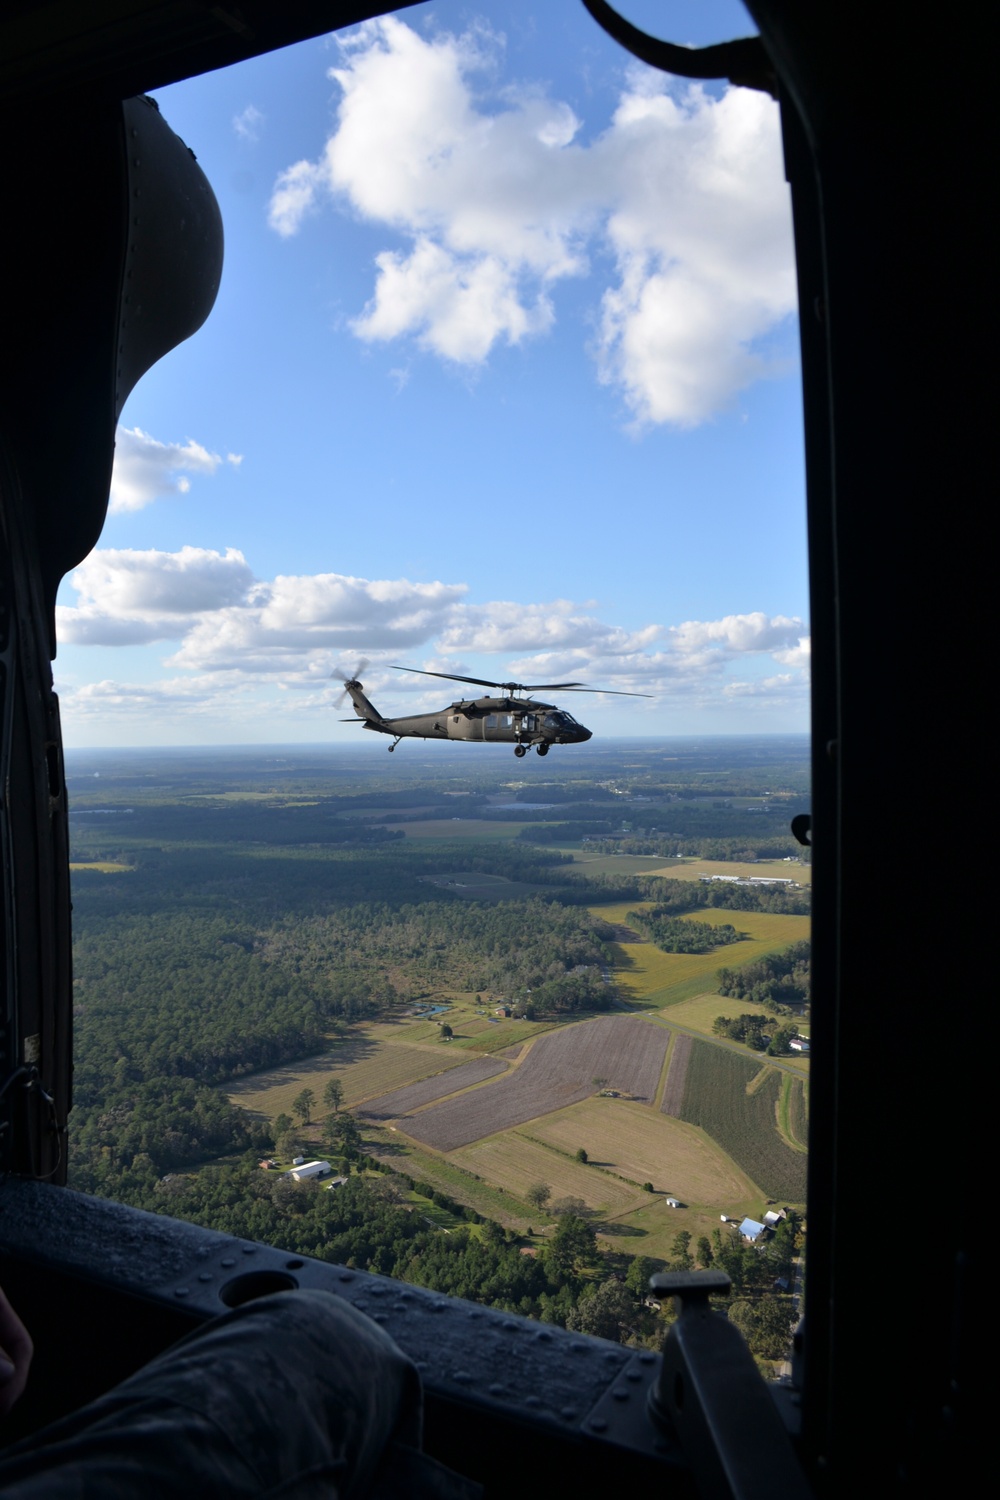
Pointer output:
x,y
620,509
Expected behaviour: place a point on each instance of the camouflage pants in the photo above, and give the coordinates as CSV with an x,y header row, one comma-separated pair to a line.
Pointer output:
x,y
295,1395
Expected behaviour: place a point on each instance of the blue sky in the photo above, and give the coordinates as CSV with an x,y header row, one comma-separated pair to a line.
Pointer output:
x,y
502,379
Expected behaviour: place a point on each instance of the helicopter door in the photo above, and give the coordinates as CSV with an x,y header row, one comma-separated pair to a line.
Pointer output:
x,y
490,727
528,723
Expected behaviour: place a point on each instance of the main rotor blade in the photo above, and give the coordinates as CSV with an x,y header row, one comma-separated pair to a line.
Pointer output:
x,y
510,687
615,692
524,687
450,676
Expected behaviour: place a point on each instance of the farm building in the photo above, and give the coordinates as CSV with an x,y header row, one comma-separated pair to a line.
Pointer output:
x,y
799,1044
306,1171
752,1231
336,1183
773,1217
672,1202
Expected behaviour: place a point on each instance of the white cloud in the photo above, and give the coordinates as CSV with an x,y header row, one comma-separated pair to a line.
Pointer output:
x,y
293,196
146,469
506,626
496,201
735,634
307,632
248,124
128,597
771,689
292,617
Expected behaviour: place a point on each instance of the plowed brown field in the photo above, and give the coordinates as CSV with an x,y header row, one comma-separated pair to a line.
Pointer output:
x,y
393,1106
559,1069
673,1092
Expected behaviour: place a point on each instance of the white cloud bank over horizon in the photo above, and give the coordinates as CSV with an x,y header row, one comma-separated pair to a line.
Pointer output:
x,y
237,635
497,199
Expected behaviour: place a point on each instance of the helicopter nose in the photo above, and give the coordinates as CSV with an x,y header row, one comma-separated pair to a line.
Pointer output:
x,y
584,734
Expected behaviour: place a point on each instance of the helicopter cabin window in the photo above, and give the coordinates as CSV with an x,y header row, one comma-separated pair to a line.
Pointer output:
x,y
569,397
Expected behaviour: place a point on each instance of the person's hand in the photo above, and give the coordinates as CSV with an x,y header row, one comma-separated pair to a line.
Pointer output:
x,y
16,1350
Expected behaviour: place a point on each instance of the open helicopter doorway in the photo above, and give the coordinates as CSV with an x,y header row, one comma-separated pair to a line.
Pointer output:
x,y
235,618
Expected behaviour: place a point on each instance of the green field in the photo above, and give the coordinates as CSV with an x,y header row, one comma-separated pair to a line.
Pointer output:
x,y
716,1098
366,1066
699,1015
648,976
102,866
769,869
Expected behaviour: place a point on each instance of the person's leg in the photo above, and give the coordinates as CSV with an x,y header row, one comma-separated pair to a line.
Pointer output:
x,y
293,1395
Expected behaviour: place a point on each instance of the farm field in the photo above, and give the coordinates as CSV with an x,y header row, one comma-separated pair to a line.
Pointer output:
x,y
624,864
769,869
793,1113
699,1014
102,866
557,1070
727,1097
401,1101
443,1174
646,1146
513,1161
686,867
366,1066
650,1229
650,976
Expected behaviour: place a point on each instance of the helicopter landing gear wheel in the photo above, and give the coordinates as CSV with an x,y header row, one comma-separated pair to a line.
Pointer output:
x,y
520,751
542,749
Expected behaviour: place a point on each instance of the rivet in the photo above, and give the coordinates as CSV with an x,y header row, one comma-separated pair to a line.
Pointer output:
x,y
377,1291
543,1336
180,1291
204,1276
598,1425
379,1318
568,1413
496,1389
346,1276
461,1377
475,1315
229,1261
400,1307
621,1395
439,1306
510,1325
579,1348
532,1401
249,1249
633,1375
647,1359
421,1364
610,1357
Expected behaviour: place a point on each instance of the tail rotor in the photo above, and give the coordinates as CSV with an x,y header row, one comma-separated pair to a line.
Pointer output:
x,y
353,680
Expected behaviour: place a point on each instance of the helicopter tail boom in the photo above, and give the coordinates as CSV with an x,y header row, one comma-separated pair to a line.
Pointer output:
x,y
362,706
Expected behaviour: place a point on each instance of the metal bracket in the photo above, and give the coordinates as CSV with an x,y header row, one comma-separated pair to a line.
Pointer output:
x,y
712,1395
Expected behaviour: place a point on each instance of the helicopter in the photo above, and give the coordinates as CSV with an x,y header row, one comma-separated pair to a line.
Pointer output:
x,y
513,719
